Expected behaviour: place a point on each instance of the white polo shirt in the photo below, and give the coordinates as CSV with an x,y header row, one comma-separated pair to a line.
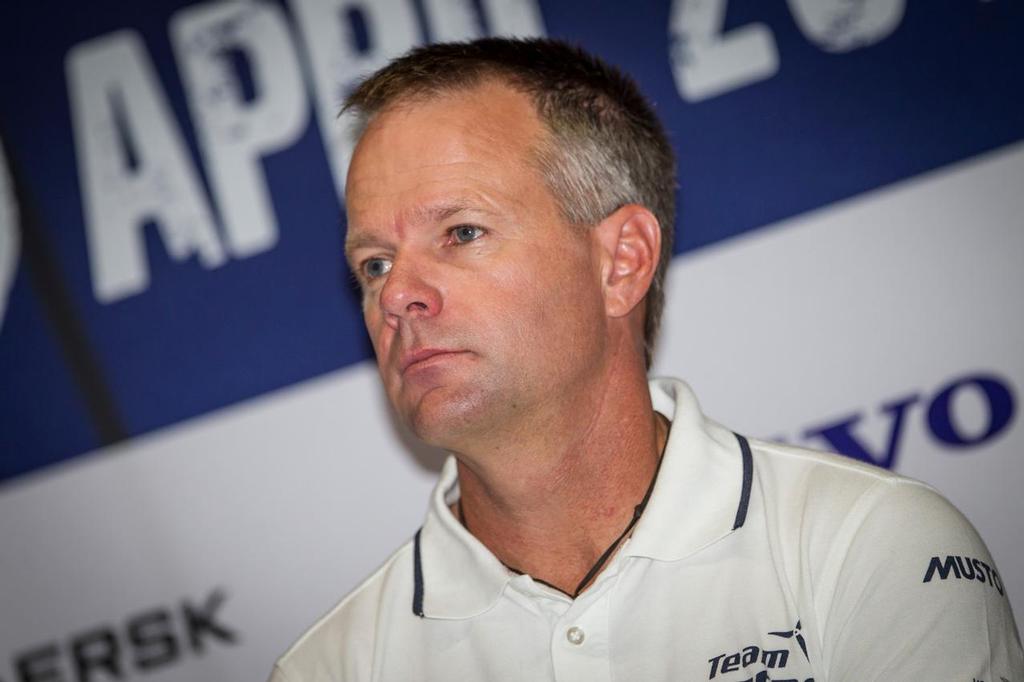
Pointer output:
x,y
753,561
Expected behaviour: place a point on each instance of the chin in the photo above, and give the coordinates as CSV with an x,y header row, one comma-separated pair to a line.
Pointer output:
x,y
444,417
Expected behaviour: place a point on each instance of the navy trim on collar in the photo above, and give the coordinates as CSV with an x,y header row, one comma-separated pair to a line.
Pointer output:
x,y
748,479
417,576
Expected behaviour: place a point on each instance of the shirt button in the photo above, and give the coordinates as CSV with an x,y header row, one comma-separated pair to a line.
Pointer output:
x,y
575,635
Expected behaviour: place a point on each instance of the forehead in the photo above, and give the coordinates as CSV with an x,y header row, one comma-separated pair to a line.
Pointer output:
x,y
475,145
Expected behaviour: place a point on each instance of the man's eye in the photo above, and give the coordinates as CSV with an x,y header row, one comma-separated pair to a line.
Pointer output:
x,y
375,267
466,233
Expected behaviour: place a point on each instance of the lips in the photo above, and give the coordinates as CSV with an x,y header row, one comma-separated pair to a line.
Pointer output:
x,y
414,357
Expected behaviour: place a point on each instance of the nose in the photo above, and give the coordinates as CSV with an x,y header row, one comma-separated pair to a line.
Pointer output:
x,y
407,294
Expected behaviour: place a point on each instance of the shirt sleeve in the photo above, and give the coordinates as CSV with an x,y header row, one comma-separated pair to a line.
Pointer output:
x,y
917,596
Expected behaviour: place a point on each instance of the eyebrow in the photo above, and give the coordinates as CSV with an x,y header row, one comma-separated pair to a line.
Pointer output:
x,y
442,212
359,242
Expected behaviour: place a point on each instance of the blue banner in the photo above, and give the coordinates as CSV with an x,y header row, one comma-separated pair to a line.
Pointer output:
x,y
172,226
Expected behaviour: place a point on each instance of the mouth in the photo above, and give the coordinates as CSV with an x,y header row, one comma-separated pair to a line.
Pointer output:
x,y
424,356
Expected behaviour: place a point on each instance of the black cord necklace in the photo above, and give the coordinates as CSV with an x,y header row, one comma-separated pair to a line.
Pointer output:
x,y
638,511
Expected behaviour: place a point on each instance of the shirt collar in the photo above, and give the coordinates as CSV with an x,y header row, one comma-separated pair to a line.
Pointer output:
x,y
458,576
700,496
703,486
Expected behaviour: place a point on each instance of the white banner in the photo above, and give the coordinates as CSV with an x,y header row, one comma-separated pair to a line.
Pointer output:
x,y
199,552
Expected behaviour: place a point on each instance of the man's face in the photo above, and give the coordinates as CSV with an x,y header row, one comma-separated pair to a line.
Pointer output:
x,y
484,307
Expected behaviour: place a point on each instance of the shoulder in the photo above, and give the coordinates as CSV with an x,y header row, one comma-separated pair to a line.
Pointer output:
x,y
341,644
835,516
878,559
829,488
805,465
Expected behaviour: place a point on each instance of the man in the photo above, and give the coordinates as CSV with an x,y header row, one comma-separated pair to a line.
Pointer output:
x,y
510,215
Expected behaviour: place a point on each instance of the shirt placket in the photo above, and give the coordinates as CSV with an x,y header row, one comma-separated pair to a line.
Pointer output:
x,y
579,640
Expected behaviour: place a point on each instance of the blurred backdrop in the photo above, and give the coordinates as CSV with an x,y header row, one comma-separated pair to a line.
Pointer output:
x,y
195,458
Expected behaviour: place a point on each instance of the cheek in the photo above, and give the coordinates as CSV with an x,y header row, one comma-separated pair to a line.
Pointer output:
x,y
557,306
376,330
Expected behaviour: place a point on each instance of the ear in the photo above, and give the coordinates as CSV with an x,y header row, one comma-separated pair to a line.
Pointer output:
x,y
630,243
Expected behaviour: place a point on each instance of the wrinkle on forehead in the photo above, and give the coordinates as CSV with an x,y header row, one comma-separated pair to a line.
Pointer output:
x,y
491,121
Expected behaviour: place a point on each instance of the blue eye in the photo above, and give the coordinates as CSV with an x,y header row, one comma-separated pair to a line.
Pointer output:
x,y
375,267
466,233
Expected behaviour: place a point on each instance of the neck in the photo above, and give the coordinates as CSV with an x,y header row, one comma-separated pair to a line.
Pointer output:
x,y
552,505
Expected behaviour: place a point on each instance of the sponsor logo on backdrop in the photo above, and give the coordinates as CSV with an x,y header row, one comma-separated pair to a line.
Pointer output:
x,y
148,640
965,412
